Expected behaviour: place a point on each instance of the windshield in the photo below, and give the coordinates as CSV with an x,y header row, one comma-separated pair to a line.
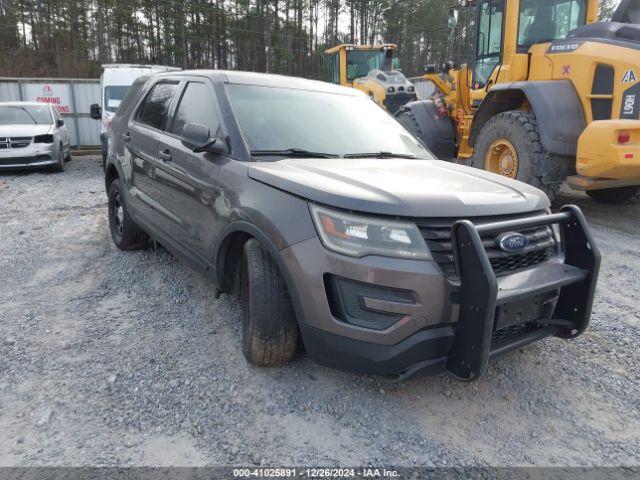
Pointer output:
x,y
361,62
25,115
548,20
113,95
276,119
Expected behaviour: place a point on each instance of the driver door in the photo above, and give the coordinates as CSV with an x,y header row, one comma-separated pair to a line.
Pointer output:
x,y
489,42
191,181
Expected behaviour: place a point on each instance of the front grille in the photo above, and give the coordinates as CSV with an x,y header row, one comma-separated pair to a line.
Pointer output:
x,y
603,84
20,142
542,245
14,142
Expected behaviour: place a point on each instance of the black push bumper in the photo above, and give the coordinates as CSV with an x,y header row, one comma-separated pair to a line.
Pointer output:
x,y
484,298
497,313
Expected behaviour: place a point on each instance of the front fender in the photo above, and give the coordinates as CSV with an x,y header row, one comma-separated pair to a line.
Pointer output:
x,y
555,103
240,229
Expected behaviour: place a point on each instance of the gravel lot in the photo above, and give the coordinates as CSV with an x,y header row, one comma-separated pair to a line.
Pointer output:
x,y
111,358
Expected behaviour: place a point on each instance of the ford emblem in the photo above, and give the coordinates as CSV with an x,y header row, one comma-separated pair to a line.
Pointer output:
x,y
513,242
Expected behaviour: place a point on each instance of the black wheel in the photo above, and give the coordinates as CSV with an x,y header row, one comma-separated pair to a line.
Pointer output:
x,y
423,119
269,327
59,166
68,158
124,232
509,145
616,196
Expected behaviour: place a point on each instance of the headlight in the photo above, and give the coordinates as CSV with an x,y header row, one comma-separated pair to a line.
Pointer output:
x,y
358,236
43,139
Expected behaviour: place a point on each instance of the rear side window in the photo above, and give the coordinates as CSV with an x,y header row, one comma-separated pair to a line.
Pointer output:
x,y
196,106
155,109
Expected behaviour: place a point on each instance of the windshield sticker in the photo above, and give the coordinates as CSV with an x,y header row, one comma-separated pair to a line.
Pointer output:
x,y
631,104
630,76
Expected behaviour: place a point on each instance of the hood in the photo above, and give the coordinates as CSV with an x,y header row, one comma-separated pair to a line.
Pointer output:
x,y
400,187
24,130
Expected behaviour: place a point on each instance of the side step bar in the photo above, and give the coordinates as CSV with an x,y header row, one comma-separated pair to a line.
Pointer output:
x,y
481,292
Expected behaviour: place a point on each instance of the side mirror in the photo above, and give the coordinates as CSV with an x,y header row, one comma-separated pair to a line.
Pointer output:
x,y
95,112
198,138
454,15
60,123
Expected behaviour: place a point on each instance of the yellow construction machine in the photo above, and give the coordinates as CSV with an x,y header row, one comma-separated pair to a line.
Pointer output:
x,y
551,95
371,68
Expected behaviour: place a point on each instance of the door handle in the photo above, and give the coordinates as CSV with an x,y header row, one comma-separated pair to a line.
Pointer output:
x,y
165,155
126,137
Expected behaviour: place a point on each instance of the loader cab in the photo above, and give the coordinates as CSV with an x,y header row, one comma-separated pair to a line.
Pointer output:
x,y
507,29
348,63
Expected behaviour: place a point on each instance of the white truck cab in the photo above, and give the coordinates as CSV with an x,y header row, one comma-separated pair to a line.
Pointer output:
x,y
115,81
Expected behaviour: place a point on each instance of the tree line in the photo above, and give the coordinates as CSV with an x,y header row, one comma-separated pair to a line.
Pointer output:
x,y
73,38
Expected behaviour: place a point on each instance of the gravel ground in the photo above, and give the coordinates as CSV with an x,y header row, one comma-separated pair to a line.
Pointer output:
x,y
118,359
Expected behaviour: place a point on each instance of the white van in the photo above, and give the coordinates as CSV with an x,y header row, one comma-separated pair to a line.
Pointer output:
x,y
115,81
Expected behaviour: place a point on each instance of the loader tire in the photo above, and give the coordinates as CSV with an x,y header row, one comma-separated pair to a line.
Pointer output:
x,y
421,118
269,326
509,145
616,196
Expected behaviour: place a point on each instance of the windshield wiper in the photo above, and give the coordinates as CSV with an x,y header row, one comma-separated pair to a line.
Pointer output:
x,y
379,155
35,122
292,152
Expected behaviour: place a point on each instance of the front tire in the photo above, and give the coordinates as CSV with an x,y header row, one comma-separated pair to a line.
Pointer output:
x,y
269,327
126,234
616,196
509,145
59,166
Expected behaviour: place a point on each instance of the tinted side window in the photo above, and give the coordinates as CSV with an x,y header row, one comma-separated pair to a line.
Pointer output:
x,y
155,109
196,106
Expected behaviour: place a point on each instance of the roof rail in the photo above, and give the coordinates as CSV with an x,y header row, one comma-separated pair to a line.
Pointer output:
x,y
135,65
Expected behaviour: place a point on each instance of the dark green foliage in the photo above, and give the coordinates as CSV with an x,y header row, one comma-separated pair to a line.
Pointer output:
x,y
72,38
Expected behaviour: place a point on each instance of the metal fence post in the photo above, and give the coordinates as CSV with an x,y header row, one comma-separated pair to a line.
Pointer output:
x,y
72,88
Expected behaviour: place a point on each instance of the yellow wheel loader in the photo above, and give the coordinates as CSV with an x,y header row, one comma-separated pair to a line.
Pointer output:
x,y
551,95
370,68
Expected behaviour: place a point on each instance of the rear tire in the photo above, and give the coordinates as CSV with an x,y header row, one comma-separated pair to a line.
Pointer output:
x,y
518,131
126,234
269,327
616,196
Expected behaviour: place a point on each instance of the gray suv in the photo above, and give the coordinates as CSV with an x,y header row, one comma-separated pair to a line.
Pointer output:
x,y
334,226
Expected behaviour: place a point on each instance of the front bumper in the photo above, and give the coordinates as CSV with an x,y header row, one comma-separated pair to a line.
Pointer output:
x,y
601,158
448,326
31,156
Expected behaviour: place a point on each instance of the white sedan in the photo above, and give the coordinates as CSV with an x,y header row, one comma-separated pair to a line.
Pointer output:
x,y
32,135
